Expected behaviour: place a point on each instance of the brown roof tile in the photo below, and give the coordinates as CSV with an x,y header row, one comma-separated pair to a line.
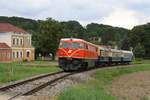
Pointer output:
x,y
4,45
6,27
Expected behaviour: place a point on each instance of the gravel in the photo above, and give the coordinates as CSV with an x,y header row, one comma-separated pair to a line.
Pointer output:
x,y
25,87
50,92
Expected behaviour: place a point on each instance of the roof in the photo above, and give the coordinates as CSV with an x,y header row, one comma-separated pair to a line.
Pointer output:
x,y
6,27
3,46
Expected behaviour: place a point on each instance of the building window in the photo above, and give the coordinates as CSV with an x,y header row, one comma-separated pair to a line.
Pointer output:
x,y
29,42
28,54
21,42
17,41
13,41
20,54
13,54
17,54
8,55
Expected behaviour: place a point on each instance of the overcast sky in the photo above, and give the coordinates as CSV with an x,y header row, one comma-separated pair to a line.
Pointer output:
x,y
121,13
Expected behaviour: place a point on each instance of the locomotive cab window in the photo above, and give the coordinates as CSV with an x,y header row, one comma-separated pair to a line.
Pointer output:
x,y
64,45
77,45
74,45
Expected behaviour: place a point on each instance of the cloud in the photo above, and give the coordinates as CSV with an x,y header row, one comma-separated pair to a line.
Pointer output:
x,y
85,10
122,17
28,8
112,12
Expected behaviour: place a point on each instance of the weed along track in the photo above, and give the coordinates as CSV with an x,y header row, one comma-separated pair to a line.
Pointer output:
x,y
31,86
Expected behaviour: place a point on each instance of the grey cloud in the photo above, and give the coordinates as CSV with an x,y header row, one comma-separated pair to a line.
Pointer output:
x,y
85,11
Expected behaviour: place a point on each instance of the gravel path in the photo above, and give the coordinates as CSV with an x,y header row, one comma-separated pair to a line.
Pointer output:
x,y
135,86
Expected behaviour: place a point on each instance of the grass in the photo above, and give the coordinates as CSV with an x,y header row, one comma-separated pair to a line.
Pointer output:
x,y
41,62
15,71
141,61
108,75
96,89
87,91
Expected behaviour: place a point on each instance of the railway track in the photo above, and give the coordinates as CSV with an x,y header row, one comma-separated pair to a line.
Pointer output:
x,y
32,85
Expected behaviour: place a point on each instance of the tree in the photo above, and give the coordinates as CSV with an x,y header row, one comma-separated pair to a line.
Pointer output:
x,y
141,34
125,44
73,29
139,51
106,32
50,31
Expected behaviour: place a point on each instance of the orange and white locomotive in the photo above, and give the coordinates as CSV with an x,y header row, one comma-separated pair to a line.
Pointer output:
x,y
75,54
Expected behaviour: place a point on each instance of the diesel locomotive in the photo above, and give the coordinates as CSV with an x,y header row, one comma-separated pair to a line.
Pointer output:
x,y
75,54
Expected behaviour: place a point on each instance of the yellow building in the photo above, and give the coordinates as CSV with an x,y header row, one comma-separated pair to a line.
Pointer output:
x,y
19,41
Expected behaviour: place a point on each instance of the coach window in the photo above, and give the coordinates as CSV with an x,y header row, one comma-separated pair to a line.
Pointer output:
x,y
102,53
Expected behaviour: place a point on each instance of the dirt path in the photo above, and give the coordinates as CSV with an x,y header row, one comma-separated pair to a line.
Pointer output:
x,y
135,86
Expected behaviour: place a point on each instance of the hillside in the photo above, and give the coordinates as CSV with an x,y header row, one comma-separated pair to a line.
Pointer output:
x,y
138,37
27,24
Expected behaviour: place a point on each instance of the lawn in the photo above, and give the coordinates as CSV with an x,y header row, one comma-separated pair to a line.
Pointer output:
x,y
15,71
96,88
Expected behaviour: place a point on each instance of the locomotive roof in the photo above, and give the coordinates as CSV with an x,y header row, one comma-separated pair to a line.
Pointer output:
x,y
80,40
72,39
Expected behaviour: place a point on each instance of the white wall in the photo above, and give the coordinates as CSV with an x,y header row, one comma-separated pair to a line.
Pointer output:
x,y
5,38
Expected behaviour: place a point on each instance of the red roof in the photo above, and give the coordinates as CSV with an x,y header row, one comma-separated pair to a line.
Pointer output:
x,y
6,27
3,45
